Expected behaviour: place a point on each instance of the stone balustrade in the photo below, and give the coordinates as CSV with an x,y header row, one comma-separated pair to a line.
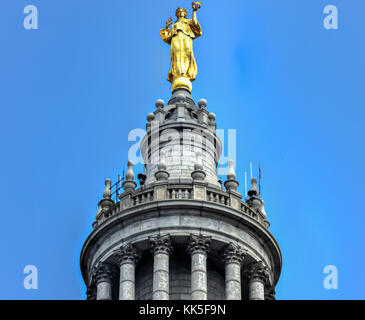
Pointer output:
x,y
164,191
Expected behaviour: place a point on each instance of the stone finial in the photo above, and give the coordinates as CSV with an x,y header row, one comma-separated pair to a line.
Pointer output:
x,y
162,163
211,117
202,103
211,121
231,183
130,174
198,173
107,191
106,203
150,117
255,202
129,183
159,104
198,162
231,175
202,112
253,192
161,174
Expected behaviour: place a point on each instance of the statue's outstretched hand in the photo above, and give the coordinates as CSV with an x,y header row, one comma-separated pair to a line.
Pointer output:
x,y
168,23
196,5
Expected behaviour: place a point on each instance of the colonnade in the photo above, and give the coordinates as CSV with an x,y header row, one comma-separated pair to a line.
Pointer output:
x,y
127,256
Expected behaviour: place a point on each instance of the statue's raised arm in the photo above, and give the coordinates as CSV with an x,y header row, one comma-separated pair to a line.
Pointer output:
x,y
196,6
180,37
195,26
165,33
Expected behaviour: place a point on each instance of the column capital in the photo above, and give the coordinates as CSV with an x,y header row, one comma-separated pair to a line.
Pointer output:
x,y
104,272
161,244
234,254
269,292
127,254
91,293
257,272
199,243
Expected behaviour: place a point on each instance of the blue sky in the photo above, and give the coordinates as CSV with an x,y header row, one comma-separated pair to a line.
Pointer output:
x,y
71,91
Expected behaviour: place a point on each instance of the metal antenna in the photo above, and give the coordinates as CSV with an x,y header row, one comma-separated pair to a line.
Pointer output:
x,y
245,185
119,184
117,188
259,179
251,169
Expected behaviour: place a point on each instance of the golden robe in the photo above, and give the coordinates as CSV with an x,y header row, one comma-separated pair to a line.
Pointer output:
x,y
180,37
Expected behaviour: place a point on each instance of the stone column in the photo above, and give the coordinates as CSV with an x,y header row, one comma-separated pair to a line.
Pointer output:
x,y
161,250
127,257
198,248
104,275
257,275
233,256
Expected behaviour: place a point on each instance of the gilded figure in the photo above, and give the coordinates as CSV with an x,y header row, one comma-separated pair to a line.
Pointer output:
x,y
180,37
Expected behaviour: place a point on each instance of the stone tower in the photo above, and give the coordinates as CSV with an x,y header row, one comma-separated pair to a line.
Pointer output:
x,y
181,234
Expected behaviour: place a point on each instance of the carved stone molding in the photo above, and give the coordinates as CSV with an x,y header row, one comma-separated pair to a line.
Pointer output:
x,y
257,272
161,244
104,272
91,293
234,254
199,243
270,293
127,254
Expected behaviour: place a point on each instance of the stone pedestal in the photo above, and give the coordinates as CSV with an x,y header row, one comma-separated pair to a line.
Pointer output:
x,y
160,190
199,190
125,200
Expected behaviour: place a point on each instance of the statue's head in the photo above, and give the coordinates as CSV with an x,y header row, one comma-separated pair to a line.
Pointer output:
x,y
181,13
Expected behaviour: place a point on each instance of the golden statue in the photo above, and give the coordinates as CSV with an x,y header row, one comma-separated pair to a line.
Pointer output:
x,y
180,37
